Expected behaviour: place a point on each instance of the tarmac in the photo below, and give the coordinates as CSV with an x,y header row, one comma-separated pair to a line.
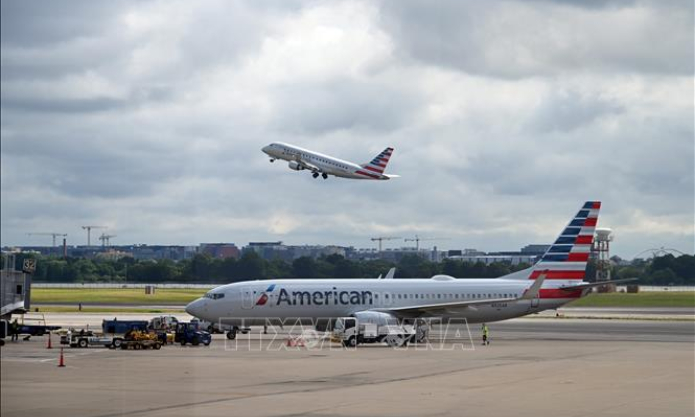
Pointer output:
x,y
533,367
639,313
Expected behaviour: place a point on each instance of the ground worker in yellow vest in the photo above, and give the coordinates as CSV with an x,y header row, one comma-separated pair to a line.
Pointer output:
x,y
486,335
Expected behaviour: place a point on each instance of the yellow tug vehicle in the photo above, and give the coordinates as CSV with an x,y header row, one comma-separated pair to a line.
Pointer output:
x,y
136,339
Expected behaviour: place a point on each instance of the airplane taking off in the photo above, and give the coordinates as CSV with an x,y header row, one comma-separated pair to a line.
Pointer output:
x,y
319,164
556,279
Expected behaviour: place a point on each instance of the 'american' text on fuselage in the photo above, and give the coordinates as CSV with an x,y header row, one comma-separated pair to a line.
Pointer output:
x,y
323,298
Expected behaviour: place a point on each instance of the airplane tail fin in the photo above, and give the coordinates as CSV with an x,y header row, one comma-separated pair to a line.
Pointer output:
x,y
378,164
566,259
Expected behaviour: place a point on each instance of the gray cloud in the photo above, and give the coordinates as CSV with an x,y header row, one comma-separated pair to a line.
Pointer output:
x,y
37,24
567,110
149,117
343,105
514,40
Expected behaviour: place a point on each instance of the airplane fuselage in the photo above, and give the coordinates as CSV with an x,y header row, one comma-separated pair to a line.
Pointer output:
x,y
303,159
556,279
254,302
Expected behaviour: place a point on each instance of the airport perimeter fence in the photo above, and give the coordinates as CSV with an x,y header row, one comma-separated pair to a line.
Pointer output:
x,y
651,288
97,285
105,285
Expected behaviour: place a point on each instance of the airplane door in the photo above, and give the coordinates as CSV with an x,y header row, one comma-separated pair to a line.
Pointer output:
x,y
247,300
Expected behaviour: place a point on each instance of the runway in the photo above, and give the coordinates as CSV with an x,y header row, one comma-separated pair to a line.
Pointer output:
x,y
533,367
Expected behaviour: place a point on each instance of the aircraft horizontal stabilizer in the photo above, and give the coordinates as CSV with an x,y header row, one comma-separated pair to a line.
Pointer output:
x,y
596,284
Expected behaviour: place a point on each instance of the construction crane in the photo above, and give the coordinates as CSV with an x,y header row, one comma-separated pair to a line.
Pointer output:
x,y
417,239
380,239
105,239
49,234
89,232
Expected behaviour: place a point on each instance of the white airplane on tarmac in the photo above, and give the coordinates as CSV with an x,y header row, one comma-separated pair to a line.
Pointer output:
x,y
556,279
319,164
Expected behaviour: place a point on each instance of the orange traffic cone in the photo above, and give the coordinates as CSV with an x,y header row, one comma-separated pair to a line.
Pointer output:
x,y
61,363
49,345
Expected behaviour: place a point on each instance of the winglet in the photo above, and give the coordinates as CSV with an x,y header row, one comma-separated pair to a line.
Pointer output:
x,y
534,289
390,274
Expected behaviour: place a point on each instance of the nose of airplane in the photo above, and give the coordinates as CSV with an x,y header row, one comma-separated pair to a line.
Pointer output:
x,y
195,308
266,149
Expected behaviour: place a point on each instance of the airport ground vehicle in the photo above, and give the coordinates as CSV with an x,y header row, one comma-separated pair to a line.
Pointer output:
x,y
118,328
163,323
136,339
189,333
351,331
4,327
26,330
85,338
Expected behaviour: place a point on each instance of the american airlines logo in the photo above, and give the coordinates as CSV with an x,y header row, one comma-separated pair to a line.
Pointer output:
x,y
318,298
264,296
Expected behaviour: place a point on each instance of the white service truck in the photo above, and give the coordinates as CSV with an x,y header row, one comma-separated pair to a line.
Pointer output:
x,y
373,328
83,339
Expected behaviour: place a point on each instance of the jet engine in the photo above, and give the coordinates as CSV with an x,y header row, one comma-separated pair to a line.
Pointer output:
x,y
294,165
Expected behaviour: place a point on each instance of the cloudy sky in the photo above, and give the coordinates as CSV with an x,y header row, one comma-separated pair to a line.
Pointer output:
x,y
148,117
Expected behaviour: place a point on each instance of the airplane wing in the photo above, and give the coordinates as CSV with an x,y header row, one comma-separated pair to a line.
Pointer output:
x,y
460,306
306,165
596,284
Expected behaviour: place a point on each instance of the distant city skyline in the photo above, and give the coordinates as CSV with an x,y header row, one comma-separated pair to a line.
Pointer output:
x,y
236,250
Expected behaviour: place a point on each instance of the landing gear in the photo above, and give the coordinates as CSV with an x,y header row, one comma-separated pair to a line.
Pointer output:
x,y
231,335
324,175
272,160
315,175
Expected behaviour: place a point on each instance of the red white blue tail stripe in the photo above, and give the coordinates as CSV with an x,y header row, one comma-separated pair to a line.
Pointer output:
x,y
566,259
376,167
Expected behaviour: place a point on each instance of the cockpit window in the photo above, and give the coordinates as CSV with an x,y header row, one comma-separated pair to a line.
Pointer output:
x,y
214,295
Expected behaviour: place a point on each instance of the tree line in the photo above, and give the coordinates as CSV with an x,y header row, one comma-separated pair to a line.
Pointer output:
x,y
663,270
